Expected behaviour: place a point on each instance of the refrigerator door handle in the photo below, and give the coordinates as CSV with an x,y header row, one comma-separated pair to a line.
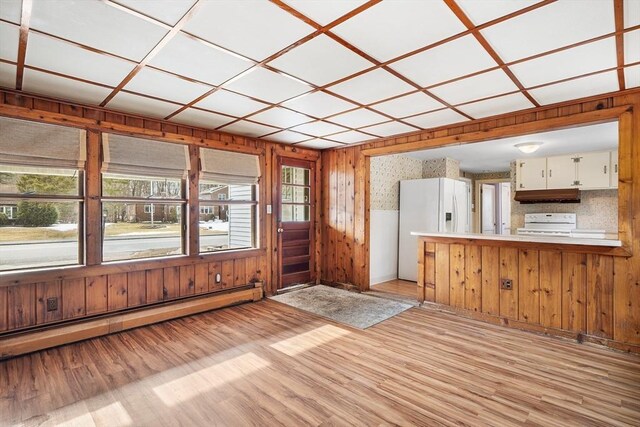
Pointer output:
x,y
455,214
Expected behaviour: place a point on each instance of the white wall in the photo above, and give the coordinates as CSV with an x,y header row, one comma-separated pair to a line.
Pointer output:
x,y
383,245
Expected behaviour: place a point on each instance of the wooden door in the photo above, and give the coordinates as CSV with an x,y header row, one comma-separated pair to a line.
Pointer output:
x,y
295,222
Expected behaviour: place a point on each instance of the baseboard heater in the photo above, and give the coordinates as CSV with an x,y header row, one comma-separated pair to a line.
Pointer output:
x,y
563,195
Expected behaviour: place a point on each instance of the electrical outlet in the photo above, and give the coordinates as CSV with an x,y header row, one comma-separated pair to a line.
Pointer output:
x,y
52,304
506,284
218,278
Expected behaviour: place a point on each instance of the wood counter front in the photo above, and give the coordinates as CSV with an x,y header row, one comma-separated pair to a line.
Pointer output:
x,y
561,290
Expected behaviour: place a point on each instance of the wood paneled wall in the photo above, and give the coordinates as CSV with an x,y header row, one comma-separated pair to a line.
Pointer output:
x,y
345,215
98,289
551,288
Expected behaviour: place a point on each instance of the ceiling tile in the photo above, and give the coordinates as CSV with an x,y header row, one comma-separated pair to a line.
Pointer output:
x,y
7,75
254,28
487,10
191,58
546,28
373,86
92,23
392,28
205,119
494,106
246,128
456,58
319,104
10,35
631,13
632,76
280,117
63,88
477,87
578,88
436,119
389,128
319,144
632,46
359,118
350,137
580,60
268,86
319,128
287,137
324,11
408,105
11,10
55,55
231,103
167,11
167,86
130,103
321,61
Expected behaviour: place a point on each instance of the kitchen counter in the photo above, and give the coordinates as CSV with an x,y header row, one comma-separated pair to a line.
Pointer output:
x,y
521,238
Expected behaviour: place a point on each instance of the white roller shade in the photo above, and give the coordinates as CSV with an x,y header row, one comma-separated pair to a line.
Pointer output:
x,y
35,144
227,167
125,155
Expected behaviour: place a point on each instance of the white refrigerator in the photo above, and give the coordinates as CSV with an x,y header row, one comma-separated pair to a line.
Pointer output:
x,y
429,205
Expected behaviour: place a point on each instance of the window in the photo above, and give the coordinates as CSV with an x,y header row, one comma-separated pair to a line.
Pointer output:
x,y
143,198
41,200
228,200
296,191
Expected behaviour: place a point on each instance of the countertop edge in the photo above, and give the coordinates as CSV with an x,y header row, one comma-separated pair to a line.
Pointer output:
x,y
526,239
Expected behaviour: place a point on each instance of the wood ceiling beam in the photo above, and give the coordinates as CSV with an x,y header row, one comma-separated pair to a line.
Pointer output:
x,y
156,49
488,48
25,18
618,9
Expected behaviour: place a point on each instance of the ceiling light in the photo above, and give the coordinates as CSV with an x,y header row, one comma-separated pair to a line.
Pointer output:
x,y
528,147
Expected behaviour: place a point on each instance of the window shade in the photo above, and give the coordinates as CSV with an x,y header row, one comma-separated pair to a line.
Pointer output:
x,y
28,143
125,155
227,167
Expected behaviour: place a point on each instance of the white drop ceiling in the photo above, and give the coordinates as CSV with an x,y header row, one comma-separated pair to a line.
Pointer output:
x,y
496,155
320,73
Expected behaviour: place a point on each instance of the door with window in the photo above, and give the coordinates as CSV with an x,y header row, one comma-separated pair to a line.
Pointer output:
x,y
295,222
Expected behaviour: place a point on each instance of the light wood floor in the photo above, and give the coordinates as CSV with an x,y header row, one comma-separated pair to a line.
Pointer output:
x,y
398,287
269,364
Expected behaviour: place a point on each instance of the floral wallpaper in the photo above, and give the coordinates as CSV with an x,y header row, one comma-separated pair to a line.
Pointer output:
x,y
441,168
386,174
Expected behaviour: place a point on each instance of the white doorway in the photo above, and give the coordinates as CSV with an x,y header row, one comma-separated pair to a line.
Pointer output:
x,y
495,207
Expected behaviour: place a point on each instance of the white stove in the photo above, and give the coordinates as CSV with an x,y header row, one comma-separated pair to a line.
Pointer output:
x,y
556,224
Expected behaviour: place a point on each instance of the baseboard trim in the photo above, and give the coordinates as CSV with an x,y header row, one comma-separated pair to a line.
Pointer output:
x,y
28,342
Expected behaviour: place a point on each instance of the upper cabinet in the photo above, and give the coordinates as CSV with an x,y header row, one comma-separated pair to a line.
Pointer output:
x,y
613,183
561,172
586,171
593,170
531,174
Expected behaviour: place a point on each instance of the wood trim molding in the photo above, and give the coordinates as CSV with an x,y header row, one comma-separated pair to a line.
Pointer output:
x,y
61,273
27,342
618,9
25,18
591,117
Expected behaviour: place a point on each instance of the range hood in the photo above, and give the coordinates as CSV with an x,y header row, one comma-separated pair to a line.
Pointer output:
x,y
562,195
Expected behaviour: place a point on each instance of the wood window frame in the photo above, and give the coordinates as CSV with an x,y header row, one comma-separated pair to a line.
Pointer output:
x,y
622,114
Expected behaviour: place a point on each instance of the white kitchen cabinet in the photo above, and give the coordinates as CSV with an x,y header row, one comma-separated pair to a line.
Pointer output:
x,y
561,171
531,174
593,170
613,176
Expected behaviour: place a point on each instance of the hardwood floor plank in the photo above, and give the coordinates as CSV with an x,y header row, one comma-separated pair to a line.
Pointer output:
x,y
289,367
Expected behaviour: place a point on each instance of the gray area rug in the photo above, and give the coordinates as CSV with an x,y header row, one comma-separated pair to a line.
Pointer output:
x,y
354,309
